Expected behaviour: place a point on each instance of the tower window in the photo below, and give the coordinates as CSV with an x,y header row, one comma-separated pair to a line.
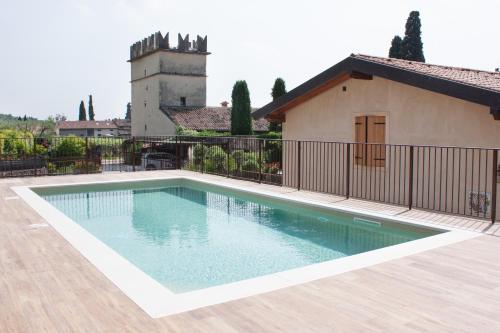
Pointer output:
x,y
183,101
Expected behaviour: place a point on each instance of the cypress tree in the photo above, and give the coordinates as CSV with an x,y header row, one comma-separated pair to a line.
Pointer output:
x,y
412,46
279,89
83,114
91,109
241,120
395,50
128,114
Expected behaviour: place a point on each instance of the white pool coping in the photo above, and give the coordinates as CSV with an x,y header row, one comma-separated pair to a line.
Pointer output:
x,y
157,301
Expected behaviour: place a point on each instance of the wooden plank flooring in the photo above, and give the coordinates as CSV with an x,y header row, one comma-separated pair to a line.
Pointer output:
x,y
47,286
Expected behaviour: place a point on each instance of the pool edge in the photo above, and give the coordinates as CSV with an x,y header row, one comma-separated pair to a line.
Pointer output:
x,y
157,301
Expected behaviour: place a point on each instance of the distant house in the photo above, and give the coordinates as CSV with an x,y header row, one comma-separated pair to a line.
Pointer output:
x,y
123,126
96,128
383,100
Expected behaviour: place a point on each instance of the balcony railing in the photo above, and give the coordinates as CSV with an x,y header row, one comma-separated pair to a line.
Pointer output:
x,y
454,180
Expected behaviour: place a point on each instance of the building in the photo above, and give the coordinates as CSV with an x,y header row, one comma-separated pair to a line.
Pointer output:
x,y
123,126
87,128
169,88
399,101
385,105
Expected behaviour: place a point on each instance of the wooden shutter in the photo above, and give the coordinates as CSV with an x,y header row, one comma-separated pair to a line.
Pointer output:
x,y
360,137
376,138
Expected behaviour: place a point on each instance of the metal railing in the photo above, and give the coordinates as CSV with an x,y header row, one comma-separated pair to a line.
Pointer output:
x,y
454,180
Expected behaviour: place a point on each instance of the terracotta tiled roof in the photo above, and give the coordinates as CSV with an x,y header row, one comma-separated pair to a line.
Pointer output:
x,y
122,122
87,124
480,87
208,118
483,79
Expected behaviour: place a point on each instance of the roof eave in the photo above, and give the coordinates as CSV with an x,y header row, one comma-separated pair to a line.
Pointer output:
x,y
351,64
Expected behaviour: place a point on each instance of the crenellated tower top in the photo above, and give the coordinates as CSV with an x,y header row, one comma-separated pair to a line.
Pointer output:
x,y
157,42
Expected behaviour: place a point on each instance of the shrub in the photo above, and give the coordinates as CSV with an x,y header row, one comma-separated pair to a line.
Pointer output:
x,y
15,143
273,168
272,151
199,152
70,146
250,165
270,135
217,157
239,158
183,131
40,149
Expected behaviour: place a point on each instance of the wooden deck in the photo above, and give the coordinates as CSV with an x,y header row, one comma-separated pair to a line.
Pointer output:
x,y
47,286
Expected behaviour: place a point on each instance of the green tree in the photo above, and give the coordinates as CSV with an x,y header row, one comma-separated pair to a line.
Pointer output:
x,y
412,46
83,114
241,120
279,89
91,109
395,50
128,114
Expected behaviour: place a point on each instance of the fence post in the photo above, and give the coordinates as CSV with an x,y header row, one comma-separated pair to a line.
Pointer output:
x,y
494,187
87,153
348,171
260,160
410,180
227,157
35,163
298,163
133,154
177,162
202,156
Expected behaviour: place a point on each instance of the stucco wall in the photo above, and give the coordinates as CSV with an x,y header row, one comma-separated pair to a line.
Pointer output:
x,y
75,132
147,118
413,115
145,66
88,132
173,87
183,63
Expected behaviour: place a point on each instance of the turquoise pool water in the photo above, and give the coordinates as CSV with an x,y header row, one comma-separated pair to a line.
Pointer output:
x,y
189,236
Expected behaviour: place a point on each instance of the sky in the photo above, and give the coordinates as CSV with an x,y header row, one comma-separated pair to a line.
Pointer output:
x,y
55,53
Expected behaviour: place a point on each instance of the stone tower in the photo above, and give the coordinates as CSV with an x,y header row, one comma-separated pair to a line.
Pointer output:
x,y
166,77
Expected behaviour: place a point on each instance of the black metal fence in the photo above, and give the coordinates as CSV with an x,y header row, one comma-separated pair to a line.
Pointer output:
x,y
455,180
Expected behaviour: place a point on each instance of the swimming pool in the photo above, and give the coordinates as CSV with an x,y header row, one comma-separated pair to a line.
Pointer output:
x,y
182,237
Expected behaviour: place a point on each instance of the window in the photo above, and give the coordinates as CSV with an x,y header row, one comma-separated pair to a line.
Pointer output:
x,y
183,101
370,133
